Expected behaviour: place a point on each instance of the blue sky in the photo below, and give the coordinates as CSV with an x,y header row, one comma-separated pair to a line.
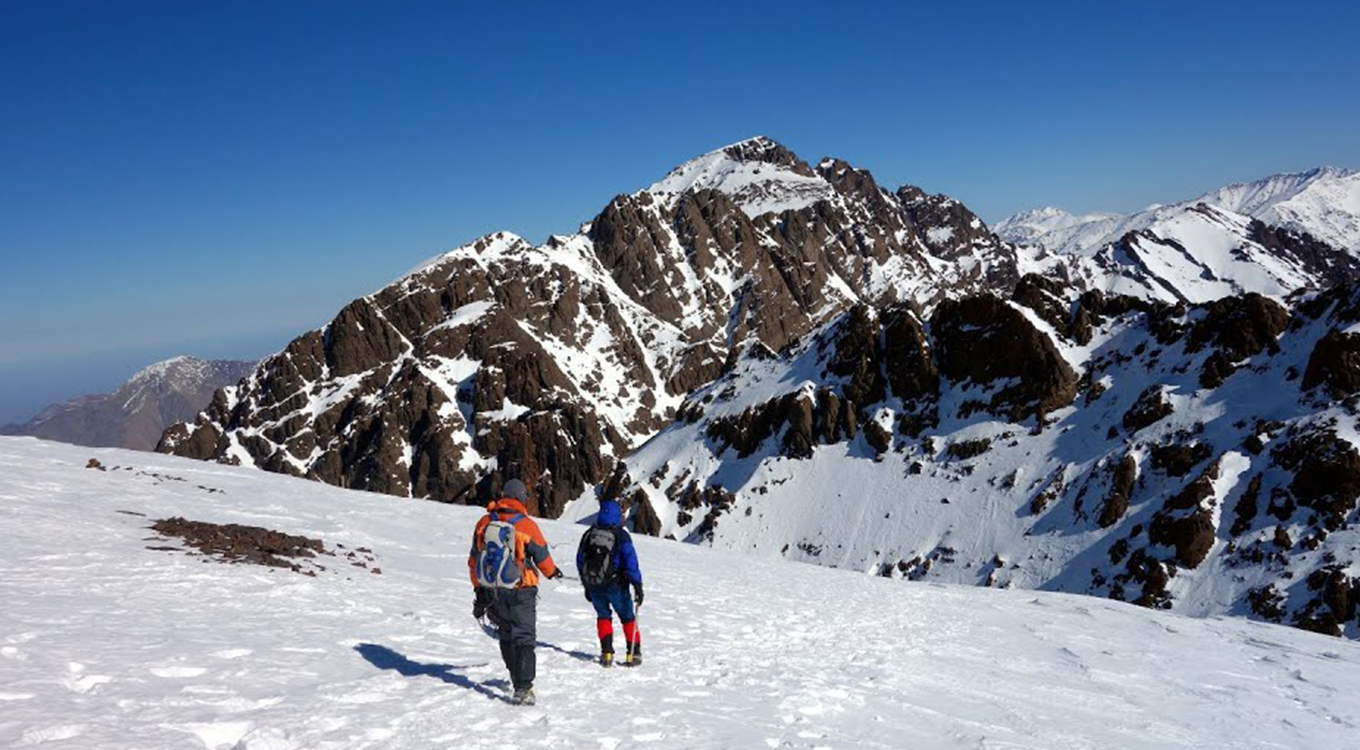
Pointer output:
x,y
213,178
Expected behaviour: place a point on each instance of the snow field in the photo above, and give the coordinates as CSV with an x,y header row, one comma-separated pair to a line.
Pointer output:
x,y
106,644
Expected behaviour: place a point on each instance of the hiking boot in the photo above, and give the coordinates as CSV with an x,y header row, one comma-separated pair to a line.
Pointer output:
x,y
607,659
523,696
634,658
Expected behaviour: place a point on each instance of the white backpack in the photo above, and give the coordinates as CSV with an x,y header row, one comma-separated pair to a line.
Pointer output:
x,y
497,566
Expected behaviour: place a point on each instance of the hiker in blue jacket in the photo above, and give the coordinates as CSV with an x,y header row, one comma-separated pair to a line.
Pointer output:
x,y
608,565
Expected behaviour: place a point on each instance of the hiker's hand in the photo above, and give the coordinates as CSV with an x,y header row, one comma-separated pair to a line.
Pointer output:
x,y
556,574
637,594
479,604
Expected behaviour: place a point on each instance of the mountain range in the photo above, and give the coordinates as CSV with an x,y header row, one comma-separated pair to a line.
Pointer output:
x,y
135,415
787,359
1272,236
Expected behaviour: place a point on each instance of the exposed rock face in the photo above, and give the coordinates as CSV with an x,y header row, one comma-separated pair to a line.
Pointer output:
x,y
907,358
1150,408
1237,328
983,340
1335,364
1326,475
1125,473
135,415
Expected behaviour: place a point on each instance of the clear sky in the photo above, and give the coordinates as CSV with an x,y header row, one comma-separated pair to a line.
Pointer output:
x,y
214,178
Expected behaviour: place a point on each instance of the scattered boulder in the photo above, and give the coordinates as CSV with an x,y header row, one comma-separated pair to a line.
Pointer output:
x,y
966,449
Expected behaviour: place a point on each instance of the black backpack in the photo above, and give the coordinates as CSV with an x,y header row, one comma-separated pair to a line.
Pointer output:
x,y
598,556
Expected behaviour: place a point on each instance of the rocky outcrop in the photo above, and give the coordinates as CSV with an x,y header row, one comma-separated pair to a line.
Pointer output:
x,y
1186,523
1326,479
1236,328
1335,364
982,340
1122,477
1150,408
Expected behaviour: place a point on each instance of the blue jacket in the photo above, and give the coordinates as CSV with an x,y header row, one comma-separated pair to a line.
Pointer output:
x,y
625,555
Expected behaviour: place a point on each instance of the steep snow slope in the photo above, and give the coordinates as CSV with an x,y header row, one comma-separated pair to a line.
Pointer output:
x,y
1325,202
107,644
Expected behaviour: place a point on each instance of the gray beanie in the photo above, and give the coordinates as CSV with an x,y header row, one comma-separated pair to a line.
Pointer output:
x,y
516,489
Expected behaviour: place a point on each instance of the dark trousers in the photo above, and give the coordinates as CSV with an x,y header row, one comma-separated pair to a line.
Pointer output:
x,y
515,611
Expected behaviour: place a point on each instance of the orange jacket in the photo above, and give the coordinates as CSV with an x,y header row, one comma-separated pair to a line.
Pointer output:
x,y
530,546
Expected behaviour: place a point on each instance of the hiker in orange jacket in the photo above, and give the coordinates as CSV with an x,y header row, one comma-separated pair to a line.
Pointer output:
x,y
508,553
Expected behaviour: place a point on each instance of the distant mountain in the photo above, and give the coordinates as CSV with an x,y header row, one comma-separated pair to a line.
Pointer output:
x,y
1055,228
135,415
1322,202
1272,236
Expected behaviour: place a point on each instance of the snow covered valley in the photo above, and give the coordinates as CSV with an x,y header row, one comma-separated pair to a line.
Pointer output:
x,y
105,643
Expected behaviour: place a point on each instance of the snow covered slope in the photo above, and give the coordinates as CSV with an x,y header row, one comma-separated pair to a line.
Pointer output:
x,y
1324,202
760,175
1202,458
105,644
1201,253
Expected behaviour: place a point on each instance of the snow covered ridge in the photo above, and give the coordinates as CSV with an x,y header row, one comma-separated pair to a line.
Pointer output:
x,y
135,415
1197,458
106,645
1323,202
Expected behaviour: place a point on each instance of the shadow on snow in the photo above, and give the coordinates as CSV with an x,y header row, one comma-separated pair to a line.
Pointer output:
x,y
383,657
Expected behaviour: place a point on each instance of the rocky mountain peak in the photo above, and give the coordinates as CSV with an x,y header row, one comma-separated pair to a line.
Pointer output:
x,y
762,149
